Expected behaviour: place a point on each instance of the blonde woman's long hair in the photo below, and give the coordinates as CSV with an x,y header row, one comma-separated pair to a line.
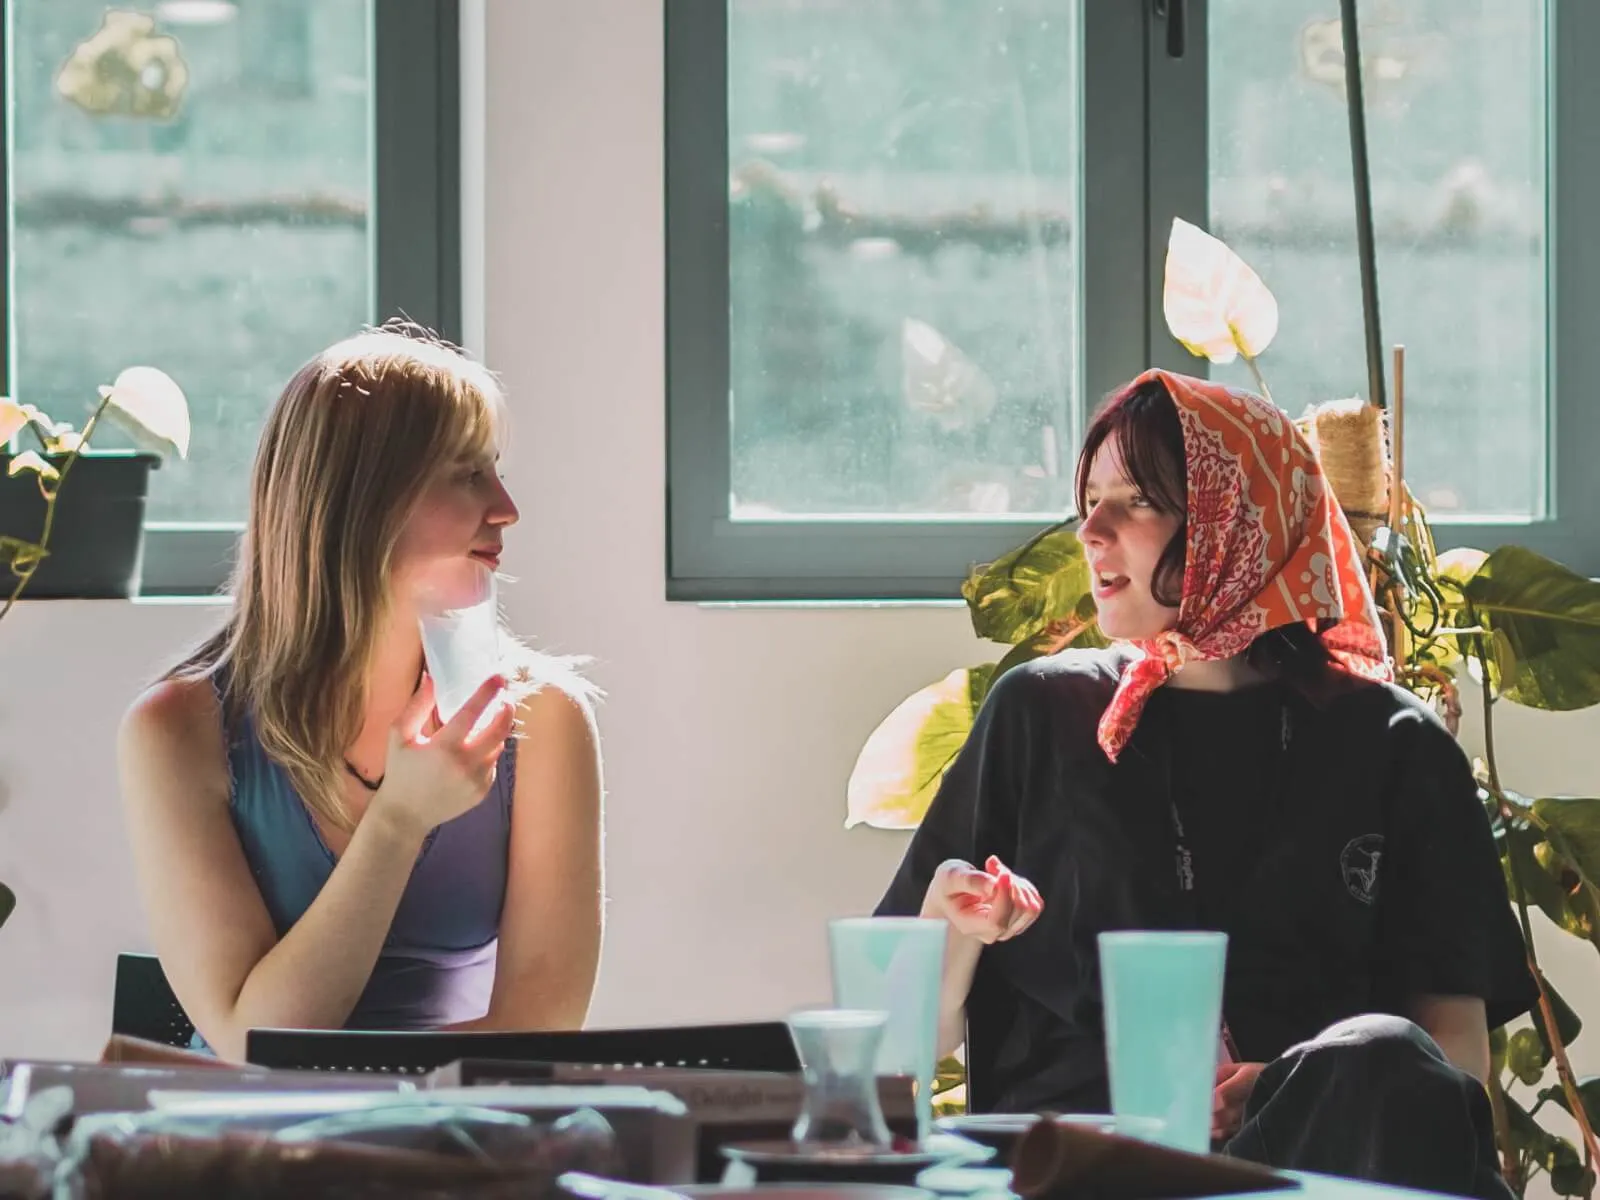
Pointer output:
x,y
359,433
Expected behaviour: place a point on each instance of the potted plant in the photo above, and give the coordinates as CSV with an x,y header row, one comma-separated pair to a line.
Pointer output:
x,y
1526,628
87,541
90,544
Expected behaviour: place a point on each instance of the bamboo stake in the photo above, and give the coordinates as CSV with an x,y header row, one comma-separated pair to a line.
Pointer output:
x,y
1397,441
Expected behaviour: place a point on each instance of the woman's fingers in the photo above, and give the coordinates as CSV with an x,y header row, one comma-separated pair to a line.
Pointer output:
x,y
1024,901
459,726
1019,911
1028,894
992,904
1235,1082
418,709
1235,1087
490,739
1226,1123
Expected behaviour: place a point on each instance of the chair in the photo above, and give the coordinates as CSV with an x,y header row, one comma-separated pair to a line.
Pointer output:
x,y
991,1010
756,1046
143,1004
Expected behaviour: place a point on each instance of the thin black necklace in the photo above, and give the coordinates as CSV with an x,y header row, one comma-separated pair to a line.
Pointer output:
x,y
362,779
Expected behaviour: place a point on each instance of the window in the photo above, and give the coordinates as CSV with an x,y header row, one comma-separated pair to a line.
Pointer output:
x,y
911,243
290,177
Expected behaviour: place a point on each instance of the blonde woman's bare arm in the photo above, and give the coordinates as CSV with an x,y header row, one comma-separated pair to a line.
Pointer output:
x,y
211,929
552,922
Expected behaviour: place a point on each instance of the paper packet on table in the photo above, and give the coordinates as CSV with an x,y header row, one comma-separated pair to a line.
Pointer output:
x,y
305,1146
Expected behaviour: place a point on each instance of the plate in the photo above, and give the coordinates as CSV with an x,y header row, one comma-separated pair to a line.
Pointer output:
x,y
998,1131
775,1161
801,1191
1002,1131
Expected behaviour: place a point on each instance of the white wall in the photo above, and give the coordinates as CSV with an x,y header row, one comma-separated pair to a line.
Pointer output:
x,y
729,733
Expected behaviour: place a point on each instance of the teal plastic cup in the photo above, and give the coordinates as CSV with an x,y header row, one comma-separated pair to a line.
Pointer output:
x,y
1163,1015
895,965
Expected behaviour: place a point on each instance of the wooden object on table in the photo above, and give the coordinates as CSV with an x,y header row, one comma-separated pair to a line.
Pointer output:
x,y
724,1106
120,1048
1056,1160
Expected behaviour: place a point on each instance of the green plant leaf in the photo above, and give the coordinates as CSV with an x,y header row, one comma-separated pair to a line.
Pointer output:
x,y
898,772
8,903
1526,1056
1548,1150
1568,1024
1545,622
1569,1177
1021,594
1588,1093
1573,832
950,1073
1557,891
20,555
1058,635
12,418
1580,903
31,460
1450,574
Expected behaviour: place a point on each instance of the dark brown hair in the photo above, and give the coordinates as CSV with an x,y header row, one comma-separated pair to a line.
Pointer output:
x,y
1144,420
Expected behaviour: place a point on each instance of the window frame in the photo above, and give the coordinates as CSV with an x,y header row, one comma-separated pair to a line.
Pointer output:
x,y
1144,141
1572,287
712,558
414,234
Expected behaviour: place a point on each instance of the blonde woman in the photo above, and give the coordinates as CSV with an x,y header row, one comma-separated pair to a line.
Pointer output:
x,y
313,848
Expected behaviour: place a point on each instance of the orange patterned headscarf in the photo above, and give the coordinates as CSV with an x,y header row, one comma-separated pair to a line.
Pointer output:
x,y
1267,546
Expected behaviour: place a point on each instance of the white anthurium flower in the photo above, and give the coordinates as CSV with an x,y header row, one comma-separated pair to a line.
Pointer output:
x,y
1213,302
150,404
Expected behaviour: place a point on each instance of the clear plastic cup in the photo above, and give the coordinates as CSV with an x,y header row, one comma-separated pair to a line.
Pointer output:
x,y
895,964
1163,1011
460,620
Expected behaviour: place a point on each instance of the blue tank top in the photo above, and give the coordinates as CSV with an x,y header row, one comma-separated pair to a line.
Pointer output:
x,y
437,964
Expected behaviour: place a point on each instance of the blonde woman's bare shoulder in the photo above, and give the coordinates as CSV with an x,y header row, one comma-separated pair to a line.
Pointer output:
x,y
557,708
172,734
175,706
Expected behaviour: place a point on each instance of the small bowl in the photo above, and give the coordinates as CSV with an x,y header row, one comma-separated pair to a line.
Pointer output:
x,y
783,1161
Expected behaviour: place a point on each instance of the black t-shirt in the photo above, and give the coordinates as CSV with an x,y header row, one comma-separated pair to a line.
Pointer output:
x,y
1336,837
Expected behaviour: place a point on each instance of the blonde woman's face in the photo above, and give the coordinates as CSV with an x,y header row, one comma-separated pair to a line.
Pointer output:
x,y
456,529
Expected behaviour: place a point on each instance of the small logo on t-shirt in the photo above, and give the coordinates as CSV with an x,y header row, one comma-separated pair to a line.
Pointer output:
x,y
1359,864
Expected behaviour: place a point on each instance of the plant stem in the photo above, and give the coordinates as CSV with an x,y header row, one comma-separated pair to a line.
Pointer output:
x,y
50,508
1547,1014
1261,381
1510,1164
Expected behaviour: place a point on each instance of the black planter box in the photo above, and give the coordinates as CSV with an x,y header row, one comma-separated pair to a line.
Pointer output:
x,y
97,542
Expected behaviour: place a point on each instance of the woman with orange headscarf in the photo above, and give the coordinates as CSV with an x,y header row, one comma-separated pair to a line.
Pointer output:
x,y
1236,760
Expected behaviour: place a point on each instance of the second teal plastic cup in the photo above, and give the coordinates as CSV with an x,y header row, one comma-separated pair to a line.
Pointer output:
x,y
1163,1015
895,964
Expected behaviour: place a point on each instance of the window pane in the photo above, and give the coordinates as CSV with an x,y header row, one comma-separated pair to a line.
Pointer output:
x,y
1456,117
225,242
904,281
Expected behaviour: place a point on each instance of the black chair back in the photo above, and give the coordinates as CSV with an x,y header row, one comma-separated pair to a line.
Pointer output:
x,y
756,1046
143,1004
